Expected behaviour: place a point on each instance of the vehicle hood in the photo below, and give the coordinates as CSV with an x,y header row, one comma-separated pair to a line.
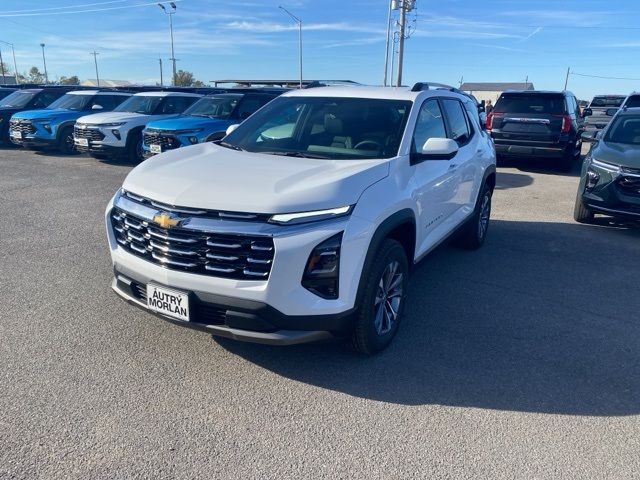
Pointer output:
x,y
212,177
185,122
618,154
112,117
58,113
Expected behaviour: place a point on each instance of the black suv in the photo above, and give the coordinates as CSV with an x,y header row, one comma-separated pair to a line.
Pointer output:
x,y
27,99
537,124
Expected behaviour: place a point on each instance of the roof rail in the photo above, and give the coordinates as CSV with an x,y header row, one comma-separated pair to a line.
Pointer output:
x,y
421,86
332,83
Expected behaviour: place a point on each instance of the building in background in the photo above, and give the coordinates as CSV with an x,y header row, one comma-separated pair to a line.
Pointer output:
x,y
92,82
492,91
7,80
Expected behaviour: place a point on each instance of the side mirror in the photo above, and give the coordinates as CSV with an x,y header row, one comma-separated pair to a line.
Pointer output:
x,y
611,112
97,107
231,128
587,112
591,136
439,149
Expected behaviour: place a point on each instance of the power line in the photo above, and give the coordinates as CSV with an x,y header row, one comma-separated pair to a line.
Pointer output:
x,y
69,12
68,7
604,77
471,23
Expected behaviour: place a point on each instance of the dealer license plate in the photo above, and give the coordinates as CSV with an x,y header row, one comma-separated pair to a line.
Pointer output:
x,y
155,148
16,134
168,301
82,142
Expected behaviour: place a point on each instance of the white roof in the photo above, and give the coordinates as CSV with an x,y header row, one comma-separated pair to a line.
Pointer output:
x,y
167,94
83,92
98,92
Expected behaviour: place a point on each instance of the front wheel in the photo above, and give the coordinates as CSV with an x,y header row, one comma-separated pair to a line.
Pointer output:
x,y
582,214
383,299
66,144
135,152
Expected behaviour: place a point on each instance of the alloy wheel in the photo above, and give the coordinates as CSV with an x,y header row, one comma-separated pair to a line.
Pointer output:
x,y
485,212
388,298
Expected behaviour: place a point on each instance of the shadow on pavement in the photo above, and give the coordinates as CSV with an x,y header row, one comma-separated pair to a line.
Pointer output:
x,y
506,181
544,318
547,166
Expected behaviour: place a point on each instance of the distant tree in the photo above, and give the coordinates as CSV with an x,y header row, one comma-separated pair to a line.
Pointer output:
x,y
35,76
186,79
6,68
72,80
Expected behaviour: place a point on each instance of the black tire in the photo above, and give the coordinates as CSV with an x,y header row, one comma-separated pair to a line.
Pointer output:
x,y
581,213
569,158
379,314
66,144
135,153
474,233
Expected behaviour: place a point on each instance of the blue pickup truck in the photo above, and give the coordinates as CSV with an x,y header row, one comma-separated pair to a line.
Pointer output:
x,y
52,127
205,121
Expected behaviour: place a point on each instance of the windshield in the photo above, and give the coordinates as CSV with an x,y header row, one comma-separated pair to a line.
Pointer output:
x,y
625,129
140,104
214,107
324,127
632,102
71,101
536,103
17,99
607,102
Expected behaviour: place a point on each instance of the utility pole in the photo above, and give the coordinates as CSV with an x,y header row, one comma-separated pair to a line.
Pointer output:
x,y
171,12
4,81
386,50
566,80
299,22
161,81
405,6
44,60
95,60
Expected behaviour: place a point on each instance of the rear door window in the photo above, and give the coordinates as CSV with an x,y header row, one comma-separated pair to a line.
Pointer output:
x,y
429,124
534,104
457,121
611,102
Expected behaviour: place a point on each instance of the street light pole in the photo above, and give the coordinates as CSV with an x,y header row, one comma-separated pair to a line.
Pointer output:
x,y
44,60
95,60
171,12
15,65
4,81
299,22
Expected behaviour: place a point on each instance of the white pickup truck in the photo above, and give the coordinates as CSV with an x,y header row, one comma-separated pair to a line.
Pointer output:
x,y
303,223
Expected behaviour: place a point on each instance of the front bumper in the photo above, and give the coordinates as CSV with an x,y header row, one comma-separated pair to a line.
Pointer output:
x,y
243,320
279,308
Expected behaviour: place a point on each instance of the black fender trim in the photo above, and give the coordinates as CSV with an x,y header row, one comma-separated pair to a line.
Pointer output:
x,y
387,226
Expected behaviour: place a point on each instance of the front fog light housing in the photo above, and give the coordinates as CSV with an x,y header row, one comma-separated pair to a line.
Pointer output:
x,y
193,140
322,272
47,127
116,133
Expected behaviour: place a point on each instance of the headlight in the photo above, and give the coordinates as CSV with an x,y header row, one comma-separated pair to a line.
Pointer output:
x,y
109,125
609,167
314,216
322,272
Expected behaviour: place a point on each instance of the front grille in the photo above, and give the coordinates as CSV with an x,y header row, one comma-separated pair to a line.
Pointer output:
x,y
167,142
240,257
629,185
24,126
200,312
92,134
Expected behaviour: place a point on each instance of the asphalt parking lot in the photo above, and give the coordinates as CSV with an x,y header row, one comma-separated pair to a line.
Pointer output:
x,y
521,360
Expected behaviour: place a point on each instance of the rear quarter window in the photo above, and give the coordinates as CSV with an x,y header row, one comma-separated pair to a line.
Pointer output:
x,y
541,104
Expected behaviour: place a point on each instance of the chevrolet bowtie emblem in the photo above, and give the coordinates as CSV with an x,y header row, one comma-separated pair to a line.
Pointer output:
x,y
164,220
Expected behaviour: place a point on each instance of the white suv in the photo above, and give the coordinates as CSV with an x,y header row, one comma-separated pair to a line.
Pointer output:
x,y
118,133
303,222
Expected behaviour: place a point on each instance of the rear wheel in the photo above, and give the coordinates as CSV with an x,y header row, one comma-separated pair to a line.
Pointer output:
x,y
581,213
570,156
66,143
379,314
474,233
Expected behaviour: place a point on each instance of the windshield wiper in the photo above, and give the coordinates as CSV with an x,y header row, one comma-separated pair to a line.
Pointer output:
x,y
296,154
229,145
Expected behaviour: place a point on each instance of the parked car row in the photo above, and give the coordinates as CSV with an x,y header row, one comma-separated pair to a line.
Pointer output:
x,y
120,123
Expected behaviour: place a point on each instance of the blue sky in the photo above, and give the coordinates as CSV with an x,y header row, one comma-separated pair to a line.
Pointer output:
x,y
480,40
